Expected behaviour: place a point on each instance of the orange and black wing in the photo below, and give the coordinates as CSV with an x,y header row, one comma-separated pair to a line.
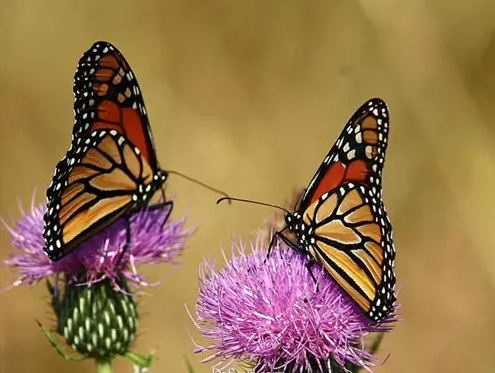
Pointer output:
x,y
101,179
352,239
357,156
107,96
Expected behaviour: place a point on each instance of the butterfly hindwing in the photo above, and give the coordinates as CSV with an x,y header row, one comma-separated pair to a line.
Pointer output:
x,y
99,181
352,238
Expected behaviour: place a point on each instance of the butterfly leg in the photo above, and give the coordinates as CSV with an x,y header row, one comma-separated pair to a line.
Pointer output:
x,y
275,236
288,242
169,205
272,243
127,241
309,265
165,204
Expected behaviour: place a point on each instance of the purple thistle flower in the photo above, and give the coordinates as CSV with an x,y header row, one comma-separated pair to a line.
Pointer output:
x,y
96,310
271,315
97,257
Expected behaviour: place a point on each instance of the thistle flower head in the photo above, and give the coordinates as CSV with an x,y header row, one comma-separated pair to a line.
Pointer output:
x,y
151,242
96,321
94,306
272,314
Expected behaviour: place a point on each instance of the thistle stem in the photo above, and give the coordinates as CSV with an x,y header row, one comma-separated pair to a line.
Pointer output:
x,y
104,365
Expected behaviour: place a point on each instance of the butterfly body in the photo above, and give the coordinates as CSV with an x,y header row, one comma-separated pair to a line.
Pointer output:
x,y
341,222
110,169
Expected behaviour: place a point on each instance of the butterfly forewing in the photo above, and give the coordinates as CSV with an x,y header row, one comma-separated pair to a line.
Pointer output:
x,y
104,178
357,156
107,96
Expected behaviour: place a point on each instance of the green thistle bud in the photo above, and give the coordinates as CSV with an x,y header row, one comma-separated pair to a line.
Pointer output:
x,y
97,321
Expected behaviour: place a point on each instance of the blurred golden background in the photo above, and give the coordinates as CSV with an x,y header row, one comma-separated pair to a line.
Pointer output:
x,y
249,96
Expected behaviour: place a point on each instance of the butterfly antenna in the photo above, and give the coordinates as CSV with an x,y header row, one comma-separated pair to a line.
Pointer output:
x,y
230,199
199,183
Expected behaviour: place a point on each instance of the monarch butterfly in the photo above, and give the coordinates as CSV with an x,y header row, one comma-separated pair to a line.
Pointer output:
x,y
341,222
110,169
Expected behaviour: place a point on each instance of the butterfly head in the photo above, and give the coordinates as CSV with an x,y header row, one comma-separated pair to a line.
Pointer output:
x,y
161,176
145,192
303,232
293,221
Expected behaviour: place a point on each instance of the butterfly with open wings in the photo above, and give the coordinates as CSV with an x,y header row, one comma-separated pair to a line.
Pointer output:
x,y
340,221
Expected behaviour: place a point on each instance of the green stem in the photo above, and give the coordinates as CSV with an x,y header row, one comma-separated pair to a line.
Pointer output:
x,y
140,361
104,365
53,341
